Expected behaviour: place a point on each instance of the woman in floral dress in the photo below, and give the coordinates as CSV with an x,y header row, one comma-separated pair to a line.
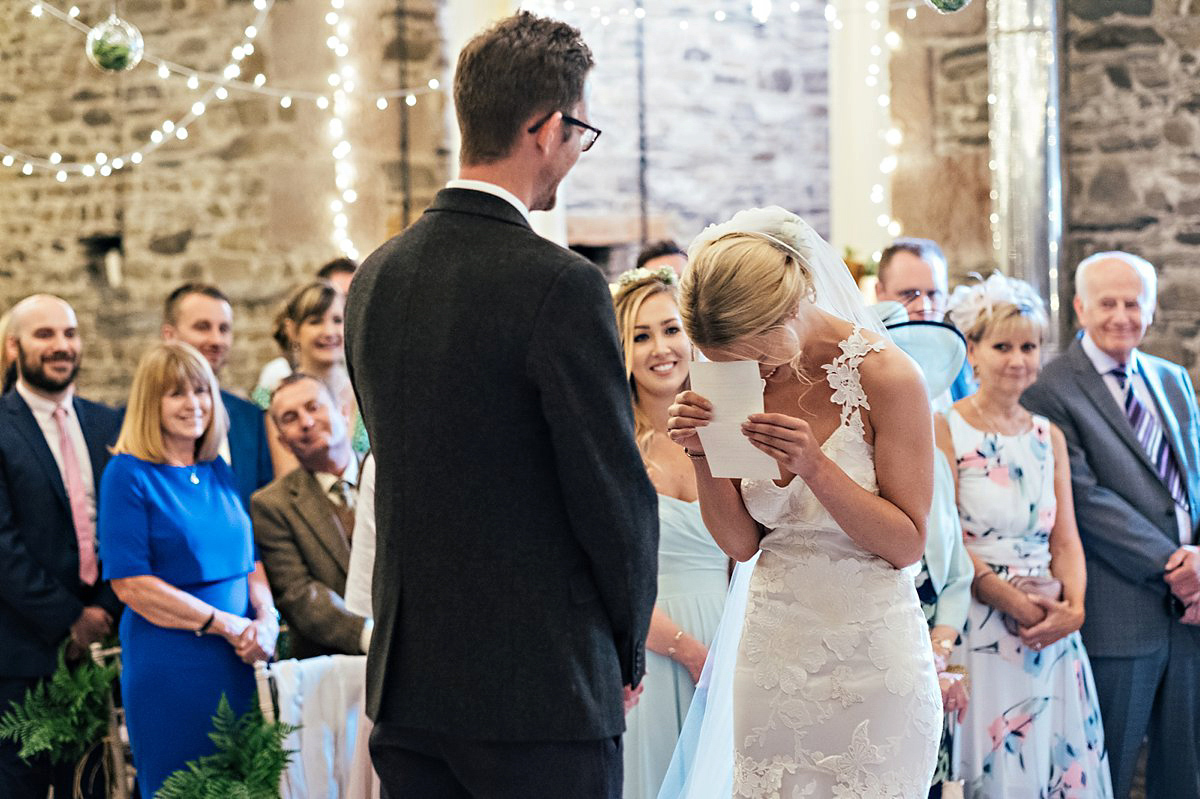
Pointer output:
x,y
1033,726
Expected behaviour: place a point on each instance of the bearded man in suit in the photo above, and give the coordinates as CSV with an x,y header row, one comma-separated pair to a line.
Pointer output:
x,y
517,530
1130,421
53,449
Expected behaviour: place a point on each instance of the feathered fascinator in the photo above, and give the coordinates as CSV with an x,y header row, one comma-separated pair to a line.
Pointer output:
x,y
970,304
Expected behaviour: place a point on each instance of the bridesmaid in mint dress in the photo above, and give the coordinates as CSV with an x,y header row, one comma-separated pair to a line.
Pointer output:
x,y
692,570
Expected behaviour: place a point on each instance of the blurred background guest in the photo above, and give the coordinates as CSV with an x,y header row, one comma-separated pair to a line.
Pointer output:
x,y
1033,725
658,254
692,569
53,449
177,544
313,319
200,314
8,366
339,272
304,521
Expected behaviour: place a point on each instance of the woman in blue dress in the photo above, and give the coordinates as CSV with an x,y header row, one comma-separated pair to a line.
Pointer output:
x,y
692,569
177,546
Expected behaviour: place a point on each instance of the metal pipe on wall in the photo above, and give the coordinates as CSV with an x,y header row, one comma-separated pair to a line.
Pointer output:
x,y
1027,186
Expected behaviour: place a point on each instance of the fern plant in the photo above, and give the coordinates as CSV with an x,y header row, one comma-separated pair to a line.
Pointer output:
x,y
248,764
65,716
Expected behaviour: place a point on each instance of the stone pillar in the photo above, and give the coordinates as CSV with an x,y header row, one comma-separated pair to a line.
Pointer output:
x,y
1027,217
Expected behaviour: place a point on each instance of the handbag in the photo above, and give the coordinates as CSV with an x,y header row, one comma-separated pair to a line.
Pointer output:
x,y
1049,587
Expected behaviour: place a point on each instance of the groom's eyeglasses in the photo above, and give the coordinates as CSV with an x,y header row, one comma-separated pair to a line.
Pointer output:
x,y
590,134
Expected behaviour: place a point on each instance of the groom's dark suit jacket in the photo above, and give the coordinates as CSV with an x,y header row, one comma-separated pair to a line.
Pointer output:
x,y
517,530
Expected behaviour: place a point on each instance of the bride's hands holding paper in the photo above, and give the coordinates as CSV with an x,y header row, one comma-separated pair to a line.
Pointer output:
x,y
690,412
788,440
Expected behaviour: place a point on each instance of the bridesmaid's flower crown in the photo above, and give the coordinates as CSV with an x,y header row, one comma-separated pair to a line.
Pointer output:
x,y
663,274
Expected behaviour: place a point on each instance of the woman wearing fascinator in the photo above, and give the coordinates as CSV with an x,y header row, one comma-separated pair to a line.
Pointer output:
x,y
693,573
1032,727
831,689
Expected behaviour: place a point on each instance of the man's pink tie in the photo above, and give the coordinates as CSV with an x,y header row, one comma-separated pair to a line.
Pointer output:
x,y
85,531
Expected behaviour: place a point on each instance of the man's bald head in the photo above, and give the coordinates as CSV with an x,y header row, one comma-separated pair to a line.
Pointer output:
x,y
43,340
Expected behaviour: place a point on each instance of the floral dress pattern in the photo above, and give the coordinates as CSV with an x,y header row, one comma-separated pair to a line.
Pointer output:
x,y
834,690
1033,724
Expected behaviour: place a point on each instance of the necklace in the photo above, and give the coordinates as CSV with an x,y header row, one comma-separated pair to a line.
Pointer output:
x,y
771,373
987,419
193,478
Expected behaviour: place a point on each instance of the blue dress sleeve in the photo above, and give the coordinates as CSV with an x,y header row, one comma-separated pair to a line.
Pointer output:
x,y
123,522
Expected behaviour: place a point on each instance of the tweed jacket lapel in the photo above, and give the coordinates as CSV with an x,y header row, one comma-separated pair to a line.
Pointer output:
x,y
316,514
1092,386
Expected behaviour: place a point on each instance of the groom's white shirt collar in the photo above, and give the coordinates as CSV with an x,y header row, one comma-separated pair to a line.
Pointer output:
x,y
494,190
1104,362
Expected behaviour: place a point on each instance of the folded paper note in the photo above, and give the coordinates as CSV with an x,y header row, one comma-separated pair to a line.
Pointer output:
x,y
735,390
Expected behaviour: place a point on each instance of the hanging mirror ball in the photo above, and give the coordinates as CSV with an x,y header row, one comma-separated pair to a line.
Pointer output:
x,y
947,6
114,45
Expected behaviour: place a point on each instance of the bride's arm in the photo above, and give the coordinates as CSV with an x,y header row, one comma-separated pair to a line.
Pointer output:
x,y
892,524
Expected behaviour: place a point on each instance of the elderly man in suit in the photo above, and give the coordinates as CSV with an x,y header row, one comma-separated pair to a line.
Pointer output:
x,y
200,314
53,448
303,522
1130,420
517,531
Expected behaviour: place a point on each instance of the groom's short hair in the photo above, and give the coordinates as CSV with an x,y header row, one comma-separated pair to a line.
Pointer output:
x,y
521,66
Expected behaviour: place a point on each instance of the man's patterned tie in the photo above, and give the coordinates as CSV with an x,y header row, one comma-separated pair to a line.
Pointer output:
x,y
1149,433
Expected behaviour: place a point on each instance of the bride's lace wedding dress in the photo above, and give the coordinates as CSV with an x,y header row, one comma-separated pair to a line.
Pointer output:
x,y
835,693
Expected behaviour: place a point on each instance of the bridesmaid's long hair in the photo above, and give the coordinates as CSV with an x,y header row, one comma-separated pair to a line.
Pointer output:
x,y
627,302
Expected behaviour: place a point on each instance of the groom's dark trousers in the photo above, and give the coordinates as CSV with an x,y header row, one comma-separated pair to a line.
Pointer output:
x,y
517,529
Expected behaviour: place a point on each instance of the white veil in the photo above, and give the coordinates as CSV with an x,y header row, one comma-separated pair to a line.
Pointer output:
x,y
702,766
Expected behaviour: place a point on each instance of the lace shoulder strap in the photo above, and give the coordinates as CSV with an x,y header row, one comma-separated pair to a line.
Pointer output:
x,y
843,377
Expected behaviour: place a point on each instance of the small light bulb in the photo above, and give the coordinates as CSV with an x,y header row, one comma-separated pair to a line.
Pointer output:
x,y
61,176
167,127
181,134
106,170
88,170
74,12
410,100
237,53
285,101
331,18
247,49
28,168
434,83
55,158
193,83
136,158
101,158
156,136
349,195
197,108
342,50
322,102
222,93
335,79
117,163
232,71
381,103
163,72
8,160
260,79
251,32
37,12
719,16
335,206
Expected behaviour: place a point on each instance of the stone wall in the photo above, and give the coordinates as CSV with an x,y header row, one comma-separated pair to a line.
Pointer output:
x,y
736,116
1132,109
243,202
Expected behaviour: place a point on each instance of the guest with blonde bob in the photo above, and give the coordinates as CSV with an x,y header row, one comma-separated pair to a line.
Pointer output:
x,y
177,545
1033,725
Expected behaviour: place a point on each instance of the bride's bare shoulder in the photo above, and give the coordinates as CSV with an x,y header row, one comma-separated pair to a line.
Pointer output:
x,y
891,376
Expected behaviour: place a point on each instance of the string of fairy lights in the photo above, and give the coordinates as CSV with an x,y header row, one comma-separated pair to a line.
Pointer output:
x,y
343,95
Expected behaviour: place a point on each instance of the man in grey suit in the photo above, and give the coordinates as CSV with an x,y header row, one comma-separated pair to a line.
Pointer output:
x,y
517,531
1131,423
303,522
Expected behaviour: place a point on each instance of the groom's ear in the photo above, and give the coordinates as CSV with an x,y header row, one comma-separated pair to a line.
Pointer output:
x,y
548,135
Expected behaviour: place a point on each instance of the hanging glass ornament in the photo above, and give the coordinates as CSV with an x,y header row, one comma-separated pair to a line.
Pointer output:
x,y
947,6
115,45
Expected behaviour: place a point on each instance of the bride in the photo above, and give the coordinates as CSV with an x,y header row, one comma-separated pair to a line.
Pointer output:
x,y
833,686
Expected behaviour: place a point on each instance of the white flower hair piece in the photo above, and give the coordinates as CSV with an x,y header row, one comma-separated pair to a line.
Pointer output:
x,y
664,274
969,304
777,224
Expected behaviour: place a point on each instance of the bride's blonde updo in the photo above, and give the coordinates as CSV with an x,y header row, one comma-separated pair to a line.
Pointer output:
x,y
741,284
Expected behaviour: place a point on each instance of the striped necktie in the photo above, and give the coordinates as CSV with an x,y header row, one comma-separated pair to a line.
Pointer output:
x,y
1149,433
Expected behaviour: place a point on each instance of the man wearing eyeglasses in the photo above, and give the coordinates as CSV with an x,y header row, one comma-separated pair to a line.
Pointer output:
x,y
913,273
516,531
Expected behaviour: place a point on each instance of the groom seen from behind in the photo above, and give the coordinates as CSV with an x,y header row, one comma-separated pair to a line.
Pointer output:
x,y
517,530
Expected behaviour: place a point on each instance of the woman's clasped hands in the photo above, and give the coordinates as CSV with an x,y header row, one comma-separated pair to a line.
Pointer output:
x,y
252,639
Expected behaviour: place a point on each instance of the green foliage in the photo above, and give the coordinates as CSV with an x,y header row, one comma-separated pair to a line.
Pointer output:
x,y
64,716
111,55
248,764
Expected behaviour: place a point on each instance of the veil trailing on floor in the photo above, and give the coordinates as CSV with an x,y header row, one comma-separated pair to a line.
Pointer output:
x,y
702,766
